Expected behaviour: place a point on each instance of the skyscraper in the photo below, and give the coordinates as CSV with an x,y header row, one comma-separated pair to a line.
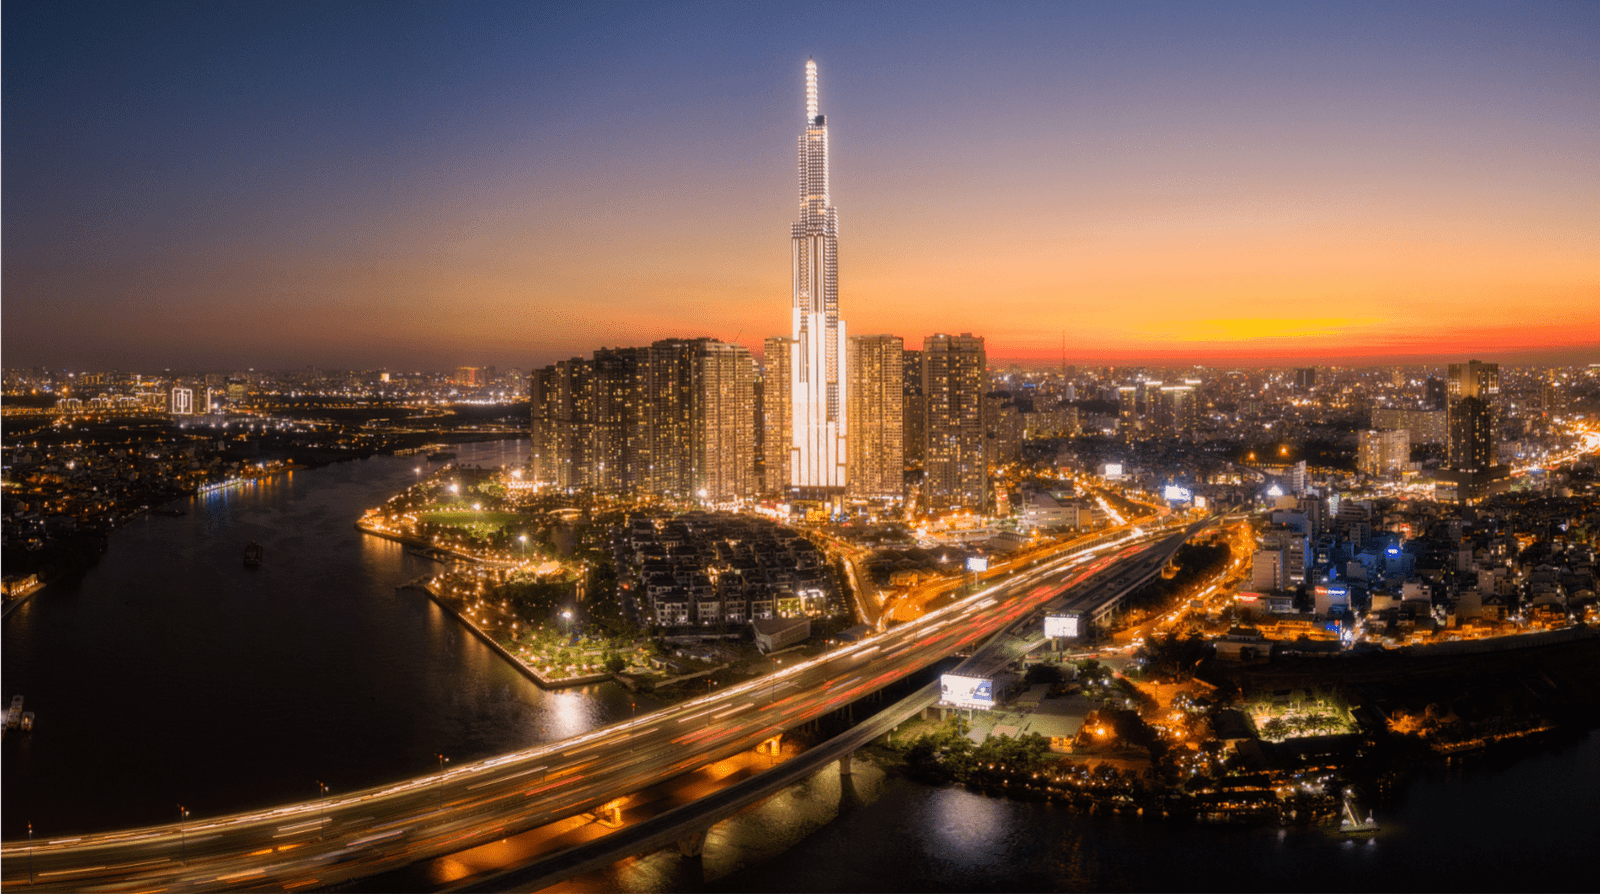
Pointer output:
x,y
877,416
182,401
675,419
955,463
1383,452
916,408
1472,422
778,414
818,371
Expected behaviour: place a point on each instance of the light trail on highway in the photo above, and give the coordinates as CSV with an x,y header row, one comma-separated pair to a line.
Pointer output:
x,y
340,838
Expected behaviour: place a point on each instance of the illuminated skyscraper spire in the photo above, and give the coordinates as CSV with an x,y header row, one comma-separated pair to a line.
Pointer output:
x,y
816,354
811,91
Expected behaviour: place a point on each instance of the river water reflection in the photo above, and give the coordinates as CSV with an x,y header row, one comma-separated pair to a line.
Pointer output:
x,y
171,674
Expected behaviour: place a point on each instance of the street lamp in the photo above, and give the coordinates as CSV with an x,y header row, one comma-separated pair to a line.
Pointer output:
x,y
322,832
183,834
442,761
30,853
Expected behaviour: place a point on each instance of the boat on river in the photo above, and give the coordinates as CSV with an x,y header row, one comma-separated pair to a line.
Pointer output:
x,y
252,555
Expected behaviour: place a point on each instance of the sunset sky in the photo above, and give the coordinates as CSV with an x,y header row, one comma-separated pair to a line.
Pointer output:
x,y
225,185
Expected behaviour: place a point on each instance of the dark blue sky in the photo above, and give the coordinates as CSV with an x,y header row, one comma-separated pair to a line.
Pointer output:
x,y
252,184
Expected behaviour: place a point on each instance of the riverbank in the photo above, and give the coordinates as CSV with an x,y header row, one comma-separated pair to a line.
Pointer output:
x,y
521,666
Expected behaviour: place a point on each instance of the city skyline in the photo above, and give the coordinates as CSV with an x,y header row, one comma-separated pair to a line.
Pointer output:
x,y
231,187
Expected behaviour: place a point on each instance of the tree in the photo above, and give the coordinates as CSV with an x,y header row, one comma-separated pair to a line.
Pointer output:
x,y
615,663
1047,674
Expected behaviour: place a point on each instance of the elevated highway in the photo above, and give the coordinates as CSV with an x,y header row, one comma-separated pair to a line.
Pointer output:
x,y
337,839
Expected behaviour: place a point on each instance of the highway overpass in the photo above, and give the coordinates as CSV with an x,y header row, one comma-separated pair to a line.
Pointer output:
x,y
337,839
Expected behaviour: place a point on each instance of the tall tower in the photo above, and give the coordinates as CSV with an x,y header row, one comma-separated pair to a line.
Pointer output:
x,y
955,457
1472,422
819,429
877,416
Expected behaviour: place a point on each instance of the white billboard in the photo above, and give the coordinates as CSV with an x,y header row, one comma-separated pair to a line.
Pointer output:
x,y
1060,625
966,692
977,563
1173,493
1112,471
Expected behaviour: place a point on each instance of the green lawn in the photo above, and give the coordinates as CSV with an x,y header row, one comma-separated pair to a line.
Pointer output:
x,y
469,518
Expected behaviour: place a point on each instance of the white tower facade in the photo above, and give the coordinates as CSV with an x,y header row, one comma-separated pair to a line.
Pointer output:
x,y
817,371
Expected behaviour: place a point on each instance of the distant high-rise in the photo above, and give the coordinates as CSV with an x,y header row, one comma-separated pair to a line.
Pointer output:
x,y
916,408
1383,452
1472,413
1305,378
676,419
778,414
818,369
877,416
182,401
955,462
1472,423
1433,393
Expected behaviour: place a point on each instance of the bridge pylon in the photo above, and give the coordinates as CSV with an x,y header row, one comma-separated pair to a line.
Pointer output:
x,y
610,813
694,845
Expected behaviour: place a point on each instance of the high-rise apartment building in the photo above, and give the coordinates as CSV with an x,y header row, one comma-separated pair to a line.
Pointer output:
x,y
818,367
1433,393
182,401
916,408
877,416
617,451
1425,426
1383,452
676,419
955,463
1305,378
1472,420
722,444
778,415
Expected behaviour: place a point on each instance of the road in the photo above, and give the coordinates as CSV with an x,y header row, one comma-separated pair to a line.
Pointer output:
x,y
321,843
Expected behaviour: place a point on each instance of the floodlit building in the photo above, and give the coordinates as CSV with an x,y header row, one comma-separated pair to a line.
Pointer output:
x,y
877,414
816,397
1472,417
1383,452
676,419
955,462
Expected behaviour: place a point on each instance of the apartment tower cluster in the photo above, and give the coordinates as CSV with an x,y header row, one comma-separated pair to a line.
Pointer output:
x,y
835,416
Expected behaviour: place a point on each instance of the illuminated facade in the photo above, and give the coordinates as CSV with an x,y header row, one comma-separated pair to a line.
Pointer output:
x,y
955,459
1472,414
182,401
778,415
1472,423
818,369
676,419
1383,452
877,416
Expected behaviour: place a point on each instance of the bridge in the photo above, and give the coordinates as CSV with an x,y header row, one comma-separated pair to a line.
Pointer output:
x,y
338,839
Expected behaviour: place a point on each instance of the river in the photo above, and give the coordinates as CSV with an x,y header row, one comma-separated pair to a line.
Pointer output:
x,y
169,673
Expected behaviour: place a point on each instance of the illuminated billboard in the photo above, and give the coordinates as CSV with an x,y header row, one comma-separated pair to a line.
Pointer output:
x,y
1172,493
966,692
977,563
1060,625
1112,472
